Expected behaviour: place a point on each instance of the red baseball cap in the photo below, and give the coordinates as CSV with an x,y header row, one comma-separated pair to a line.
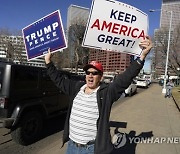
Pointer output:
x,y
94,64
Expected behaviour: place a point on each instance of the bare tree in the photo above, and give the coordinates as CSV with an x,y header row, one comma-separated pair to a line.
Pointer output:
x,y
5,44
75,38
13,50
61,59
4,31
161,43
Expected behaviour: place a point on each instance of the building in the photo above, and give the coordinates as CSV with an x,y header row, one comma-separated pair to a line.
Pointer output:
x,y
112,62
159,58
170,5
12,48
76,13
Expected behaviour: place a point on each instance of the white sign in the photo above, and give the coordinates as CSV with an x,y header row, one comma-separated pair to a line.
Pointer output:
x,y
115,26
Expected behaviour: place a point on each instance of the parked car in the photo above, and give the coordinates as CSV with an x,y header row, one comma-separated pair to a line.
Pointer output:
x,y
142,83
27,98
108,78
148,78
161,82
132,89
148,81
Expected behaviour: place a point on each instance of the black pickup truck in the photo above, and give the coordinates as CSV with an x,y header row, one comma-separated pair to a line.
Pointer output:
x,y
27,98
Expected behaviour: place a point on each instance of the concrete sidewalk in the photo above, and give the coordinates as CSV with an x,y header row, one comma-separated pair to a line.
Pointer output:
x,y
145,113
150,112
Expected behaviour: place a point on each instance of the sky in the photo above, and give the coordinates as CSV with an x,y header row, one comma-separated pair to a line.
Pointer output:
x,y
17,14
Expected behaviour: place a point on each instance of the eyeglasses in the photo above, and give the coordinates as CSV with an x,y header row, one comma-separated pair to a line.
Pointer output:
x,y
93,73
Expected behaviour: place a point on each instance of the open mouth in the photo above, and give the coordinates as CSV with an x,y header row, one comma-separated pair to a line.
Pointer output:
x,y
90,81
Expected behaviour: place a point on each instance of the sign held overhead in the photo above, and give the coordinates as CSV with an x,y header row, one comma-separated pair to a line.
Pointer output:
x,y
45,33
119,28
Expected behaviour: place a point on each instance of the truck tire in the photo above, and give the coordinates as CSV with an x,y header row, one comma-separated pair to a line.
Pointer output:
x,y
130,94
28,128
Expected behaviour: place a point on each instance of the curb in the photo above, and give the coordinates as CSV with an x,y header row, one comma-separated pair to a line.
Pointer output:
x,y
176,103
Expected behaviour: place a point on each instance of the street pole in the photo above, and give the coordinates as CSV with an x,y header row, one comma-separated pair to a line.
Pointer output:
x,y
167,56
178,73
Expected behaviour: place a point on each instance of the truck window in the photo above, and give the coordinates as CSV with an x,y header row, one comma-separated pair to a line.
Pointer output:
x,y
25,79
1,77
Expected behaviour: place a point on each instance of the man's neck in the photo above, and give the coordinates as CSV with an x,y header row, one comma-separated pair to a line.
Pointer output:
x,y
88,90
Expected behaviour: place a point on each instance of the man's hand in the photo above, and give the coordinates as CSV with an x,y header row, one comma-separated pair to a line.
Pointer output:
x,y
146,45
48,57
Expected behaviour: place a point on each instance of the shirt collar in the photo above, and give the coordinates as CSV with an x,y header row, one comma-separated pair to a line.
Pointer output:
x,y
84,86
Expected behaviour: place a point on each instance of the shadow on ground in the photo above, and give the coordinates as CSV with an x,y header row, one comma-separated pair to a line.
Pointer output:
x,y
126,143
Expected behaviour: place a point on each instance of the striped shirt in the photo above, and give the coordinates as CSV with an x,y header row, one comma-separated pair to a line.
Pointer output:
x,y
83,118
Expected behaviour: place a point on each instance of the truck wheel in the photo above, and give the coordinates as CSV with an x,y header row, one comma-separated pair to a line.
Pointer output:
x,y
135,91
130,94
27,131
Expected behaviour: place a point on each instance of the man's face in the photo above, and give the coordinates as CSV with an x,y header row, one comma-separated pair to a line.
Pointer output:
x,y
93,78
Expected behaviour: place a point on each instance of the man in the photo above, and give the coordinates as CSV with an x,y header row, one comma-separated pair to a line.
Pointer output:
x,y
169,87
87,123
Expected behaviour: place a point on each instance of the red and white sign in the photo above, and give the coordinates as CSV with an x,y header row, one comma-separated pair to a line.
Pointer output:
x,y
117,27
